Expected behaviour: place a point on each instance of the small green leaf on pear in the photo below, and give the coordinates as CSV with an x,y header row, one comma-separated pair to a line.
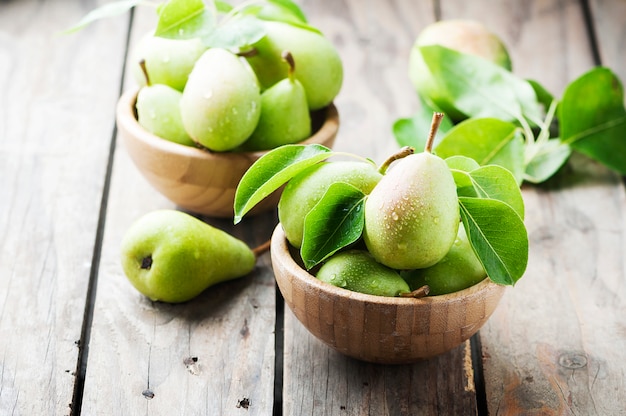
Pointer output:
x,y
185,19
488,141
335,222
273,170
237,32
496,182
498,236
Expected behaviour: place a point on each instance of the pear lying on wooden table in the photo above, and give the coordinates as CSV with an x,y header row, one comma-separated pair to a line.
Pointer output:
x,y
171,256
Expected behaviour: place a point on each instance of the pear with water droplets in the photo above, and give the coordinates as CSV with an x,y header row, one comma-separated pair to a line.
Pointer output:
x,y
168,61
358,271
221,103
285,116
158,111
412,215
458,270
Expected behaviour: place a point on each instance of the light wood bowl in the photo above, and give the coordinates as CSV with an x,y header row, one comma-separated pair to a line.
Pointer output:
x,y
196,179
385,330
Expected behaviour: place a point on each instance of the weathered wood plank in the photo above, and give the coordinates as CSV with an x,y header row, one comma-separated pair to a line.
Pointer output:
x,y
554,344
53,159
211,356
374,40
609,22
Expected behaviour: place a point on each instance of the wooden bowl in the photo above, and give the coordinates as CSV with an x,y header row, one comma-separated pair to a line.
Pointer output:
x,y
385,330
195,179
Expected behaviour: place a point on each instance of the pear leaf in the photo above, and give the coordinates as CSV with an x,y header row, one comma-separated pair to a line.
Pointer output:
x,y
106,10
335,222
546,160
592,118
185,19
497,236
414,131
480,88
291,8
496,182
487,141
273,170
460,166
235,32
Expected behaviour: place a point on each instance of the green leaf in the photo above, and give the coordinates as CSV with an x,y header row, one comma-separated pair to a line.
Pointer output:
x,y
273,170
223,6
496,182
461,166
547,160
480,88
592,118
414,131
107,10
291,8
498,236
335,222
544,96
185,19
488,141
236,32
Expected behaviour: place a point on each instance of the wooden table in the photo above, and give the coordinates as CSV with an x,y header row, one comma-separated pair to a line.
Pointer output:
x,y
75,338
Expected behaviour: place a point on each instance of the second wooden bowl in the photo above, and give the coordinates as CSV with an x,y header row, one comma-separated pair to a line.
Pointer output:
x,y
385,330
195,179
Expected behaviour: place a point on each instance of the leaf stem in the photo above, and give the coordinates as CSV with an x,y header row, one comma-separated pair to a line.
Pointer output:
x,y
434,126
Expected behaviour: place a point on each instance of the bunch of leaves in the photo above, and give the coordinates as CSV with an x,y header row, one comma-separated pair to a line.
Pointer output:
x,y
490,202
216,22
517,123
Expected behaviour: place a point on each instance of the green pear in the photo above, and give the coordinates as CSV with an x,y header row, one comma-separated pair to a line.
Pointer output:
x,y
285,116
306,189
158,111
170,256
320,69
221,103
168,61
358,271
464,36
412,215
458,270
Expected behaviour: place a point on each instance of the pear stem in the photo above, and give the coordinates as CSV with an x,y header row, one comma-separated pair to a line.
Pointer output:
x,y
288,57
434,126
260,250
417,293
142,64
248,53
403,152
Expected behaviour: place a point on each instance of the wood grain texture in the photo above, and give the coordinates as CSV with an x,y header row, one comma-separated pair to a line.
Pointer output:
x,y
211,356
608,18
550,347
380,329
53,159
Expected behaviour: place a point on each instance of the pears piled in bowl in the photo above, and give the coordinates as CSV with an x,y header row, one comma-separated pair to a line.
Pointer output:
x,y
206,108
391,263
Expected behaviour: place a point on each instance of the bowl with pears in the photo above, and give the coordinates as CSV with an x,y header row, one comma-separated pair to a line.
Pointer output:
x,y
209,102
390,263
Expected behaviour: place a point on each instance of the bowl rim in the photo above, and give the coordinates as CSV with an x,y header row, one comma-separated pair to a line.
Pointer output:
x,y
127,121
280,250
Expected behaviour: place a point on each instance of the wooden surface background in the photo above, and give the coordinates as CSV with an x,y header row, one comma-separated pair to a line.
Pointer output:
x,y
75,338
